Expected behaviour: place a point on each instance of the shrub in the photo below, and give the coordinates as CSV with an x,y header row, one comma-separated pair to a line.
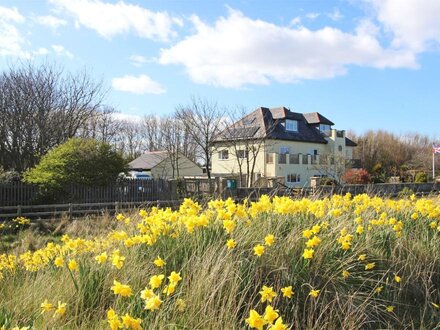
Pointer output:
x,y
357,176
327,181
83,161
421,177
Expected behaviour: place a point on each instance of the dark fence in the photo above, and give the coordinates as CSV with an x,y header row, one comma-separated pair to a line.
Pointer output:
x,y
18,193
381,189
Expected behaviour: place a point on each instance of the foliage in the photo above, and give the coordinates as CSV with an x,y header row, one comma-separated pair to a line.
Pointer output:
x,y
42,106
421,177
340,262
405,192
8,176
357,176
83,161
327,181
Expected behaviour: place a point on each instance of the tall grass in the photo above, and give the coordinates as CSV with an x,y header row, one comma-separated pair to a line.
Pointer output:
x,y
220,285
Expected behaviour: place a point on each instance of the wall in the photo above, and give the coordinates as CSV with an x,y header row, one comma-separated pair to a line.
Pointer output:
x,y
186,168
230,166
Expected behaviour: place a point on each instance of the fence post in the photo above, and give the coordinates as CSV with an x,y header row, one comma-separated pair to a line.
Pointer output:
x,y
116,207
18,210
70,212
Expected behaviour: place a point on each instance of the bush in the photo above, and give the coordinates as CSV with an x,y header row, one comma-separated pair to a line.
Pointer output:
x,y
8,176
357,176
83,161
327,181
421,177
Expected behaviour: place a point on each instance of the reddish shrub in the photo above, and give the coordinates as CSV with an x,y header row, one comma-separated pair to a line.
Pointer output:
x,y
356,176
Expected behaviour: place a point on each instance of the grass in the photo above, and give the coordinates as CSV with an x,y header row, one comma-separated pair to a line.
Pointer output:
x,y
220,286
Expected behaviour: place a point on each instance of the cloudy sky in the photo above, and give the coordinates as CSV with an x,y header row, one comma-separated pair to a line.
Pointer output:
x,y
365,64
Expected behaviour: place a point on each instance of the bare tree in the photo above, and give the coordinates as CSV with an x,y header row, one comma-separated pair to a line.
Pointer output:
x,y
247,138
41,107
202,121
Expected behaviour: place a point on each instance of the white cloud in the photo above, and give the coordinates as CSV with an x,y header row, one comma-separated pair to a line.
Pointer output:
x,y
137,85
50,21
111,19
11,40
312,16
335,15
295,21
138,60
11,14
41,51
413,23
237,50
60,50
126,117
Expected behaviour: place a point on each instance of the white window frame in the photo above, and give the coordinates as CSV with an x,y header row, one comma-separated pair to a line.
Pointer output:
x,y
222,153
242,154
289,177
291,125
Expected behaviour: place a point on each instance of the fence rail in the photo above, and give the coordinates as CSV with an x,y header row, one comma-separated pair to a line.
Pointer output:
x,y
18,193
71,210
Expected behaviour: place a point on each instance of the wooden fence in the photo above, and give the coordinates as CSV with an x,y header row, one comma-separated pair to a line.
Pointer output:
x,y
18,193
73,210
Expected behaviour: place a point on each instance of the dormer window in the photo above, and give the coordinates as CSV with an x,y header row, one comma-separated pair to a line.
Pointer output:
x,y
325,129
291,125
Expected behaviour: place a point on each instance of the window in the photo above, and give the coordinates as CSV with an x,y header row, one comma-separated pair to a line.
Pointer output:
x,y
223,154
340,148
242,154
294,158
282,157
325,129
291,125
292,178
284,150
269,158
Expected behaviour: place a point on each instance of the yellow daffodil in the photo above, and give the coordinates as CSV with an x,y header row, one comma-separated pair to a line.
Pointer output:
x,y
270,314
269,240
308,253
159,262
267,294
259,250
174,277
131,323
314,293
46,306
121,289
230,243
153,303
73,265
156,281
255,320
287,291
61,309
370,266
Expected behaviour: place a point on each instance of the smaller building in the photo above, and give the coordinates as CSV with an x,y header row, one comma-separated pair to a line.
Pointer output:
x,y
164,165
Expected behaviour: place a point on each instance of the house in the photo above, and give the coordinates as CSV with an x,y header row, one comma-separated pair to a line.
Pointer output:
x,y
162,164
277,143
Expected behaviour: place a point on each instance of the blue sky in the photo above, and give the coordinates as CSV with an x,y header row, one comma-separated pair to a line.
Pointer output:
x,y
365,64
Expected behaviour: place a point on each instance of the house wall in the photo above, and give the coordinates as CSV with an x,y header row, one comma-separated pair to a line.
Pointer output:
x,y
230,166
186,168
335,148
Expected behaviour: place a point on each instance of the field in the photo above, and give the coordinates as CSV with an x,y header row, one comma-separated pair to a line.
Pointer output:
x,y
337,263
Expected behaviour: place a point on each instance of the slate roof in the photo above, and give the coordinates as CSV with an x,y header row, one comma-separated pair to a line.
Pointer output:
x,y
350,143
148,160
317,118
269,123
